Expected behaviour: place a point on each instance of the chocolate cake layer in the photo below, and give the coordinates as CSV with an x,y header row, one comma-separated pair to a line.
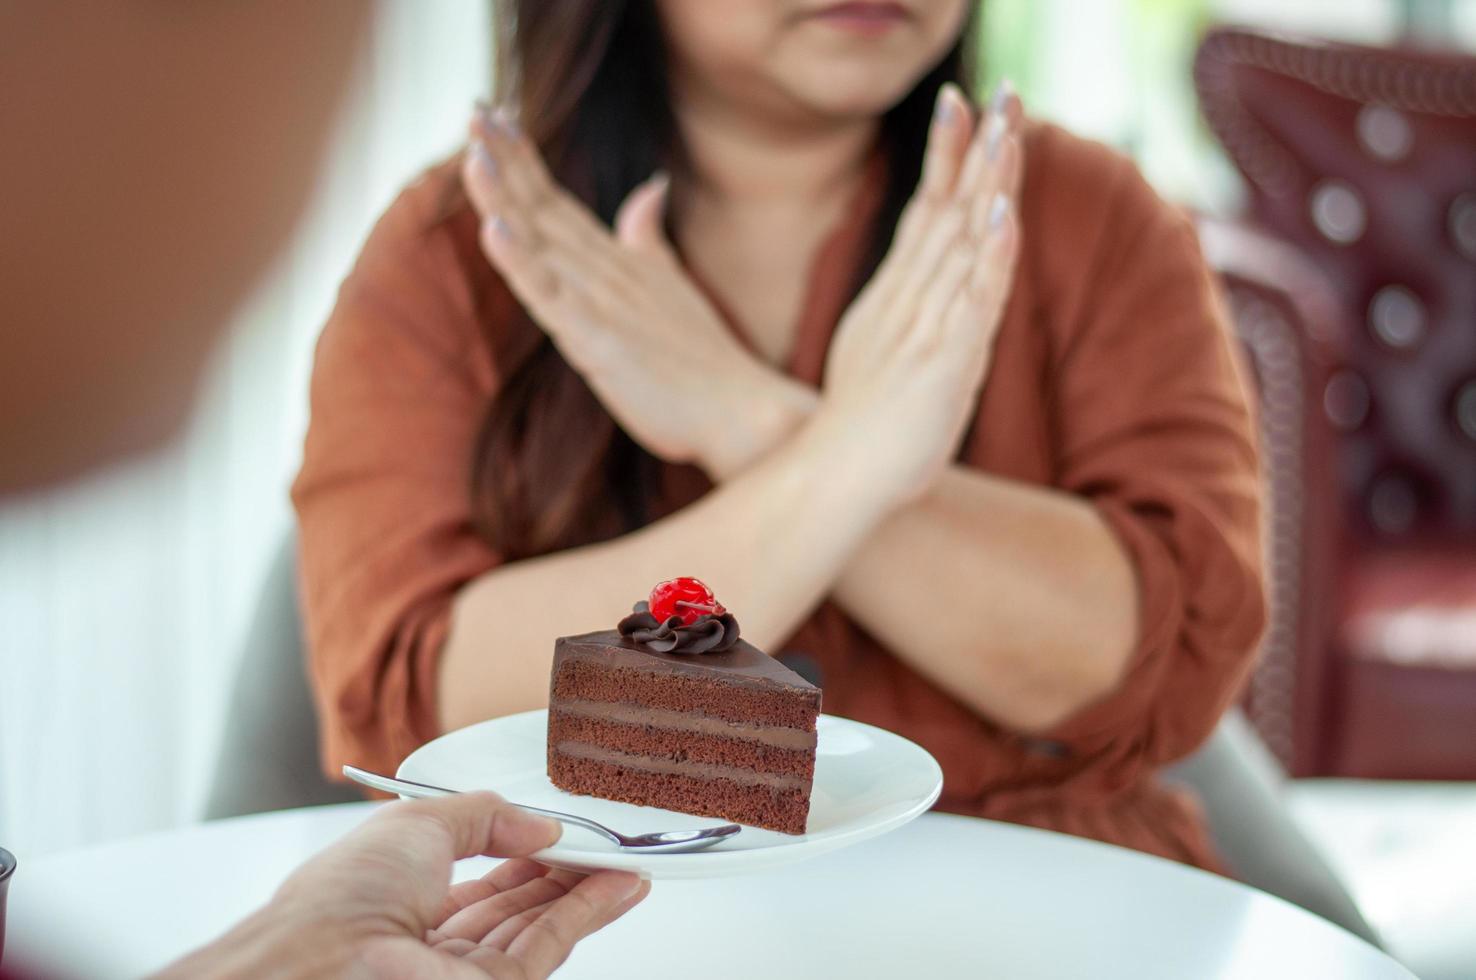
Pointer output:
x,y
690,721
667,767
728,734
583,678
785,810
680,745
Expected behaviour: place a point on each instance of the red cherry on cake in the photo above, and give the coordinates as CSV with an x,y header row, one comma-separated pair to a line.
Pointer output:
x,y
686,598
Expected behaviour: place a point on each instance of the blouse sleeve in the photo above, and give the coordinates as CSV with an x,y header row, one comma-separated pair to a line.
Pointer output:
x,y
399,387
1155,430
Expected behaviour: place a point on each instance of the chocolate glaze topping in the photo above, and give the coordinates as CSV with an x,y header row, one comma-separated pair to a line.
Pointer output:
x,y
741,663
706,634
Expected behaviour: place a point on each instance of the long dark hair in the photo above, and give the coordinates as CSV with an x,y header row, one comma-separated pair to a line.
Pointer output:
x,y
551,469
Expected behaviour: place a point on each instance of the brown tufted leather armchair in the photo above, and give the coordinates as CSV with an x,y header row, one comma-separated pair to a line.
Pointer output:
x,y
1363,160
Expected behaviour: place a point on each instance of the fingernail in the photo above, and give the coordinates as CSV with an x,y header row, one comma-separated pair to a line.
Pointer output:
x,y
634,886
994,135
523,820
484,159
999,209
551,828
504,118
1002,93
501,228
944,110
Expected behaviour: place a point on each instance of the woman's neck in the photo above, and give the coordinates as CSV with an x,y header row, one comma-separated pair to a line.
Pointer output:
x,y
739,159
761,196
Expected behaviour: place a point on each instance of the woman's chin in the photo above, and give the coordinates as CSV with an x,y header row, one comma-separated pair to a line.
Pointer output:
x,y
856,102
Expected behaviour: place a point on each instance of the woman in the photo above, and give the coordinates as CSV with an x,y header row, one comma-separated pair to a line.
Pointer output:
x,y
945,408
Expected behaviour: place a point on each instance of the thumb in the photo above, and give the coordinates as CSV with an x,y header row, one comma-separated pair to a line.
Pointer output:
x,y
476,823
640,222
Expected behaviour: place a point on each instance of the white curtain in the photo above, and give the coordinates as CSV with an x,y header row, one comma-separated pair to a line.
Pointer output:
x,y
123,600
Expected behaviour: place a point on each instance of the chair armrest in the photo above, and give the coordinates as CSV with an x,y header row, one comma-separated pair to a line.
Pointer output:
x,y
1289,322
1241,787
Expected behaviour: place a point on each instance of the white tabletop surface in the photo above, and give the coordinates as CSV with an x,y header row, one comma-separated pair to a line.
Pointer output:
x,y
944,896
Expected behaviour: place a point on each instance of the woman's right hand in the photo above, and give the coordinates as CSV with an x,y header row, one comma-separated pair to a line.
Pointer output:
x,y
624,313
910,355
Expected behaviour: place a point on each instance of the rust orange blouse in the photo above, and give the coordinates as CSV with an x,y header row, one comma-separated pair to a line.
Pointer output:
x,y
1114,378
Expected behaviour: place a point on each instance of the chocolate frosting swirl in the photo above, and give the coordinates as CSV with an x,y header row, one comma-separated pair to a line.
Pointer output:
x,y
706,634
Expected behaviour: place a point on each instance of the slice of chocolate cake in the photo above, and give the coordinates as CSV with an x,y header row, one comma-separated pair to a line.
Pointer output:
x,y
673,710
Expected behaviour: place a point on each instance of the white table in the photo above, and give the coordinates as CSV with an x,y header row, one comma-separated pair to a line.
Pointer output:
x,y
945,896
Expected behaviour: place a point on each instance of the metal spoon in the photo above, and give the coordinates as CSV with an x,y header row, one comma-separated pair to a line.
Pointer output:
x,y
668,842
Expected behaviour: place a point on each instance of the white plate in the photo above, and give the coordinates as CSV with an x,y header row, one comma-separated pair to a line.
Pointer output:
x,y
867,781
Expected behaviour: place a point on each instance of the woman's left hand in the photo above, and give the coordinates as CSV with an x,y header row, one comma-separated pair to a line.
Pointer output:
x,y
624,313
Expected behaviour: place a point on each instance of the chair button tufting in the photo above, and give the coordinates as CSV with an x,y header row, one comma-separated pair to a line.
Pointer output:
x,y
1338,212
1346,400
1392,504
1397,317
1465,409
1463,225
1385,132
